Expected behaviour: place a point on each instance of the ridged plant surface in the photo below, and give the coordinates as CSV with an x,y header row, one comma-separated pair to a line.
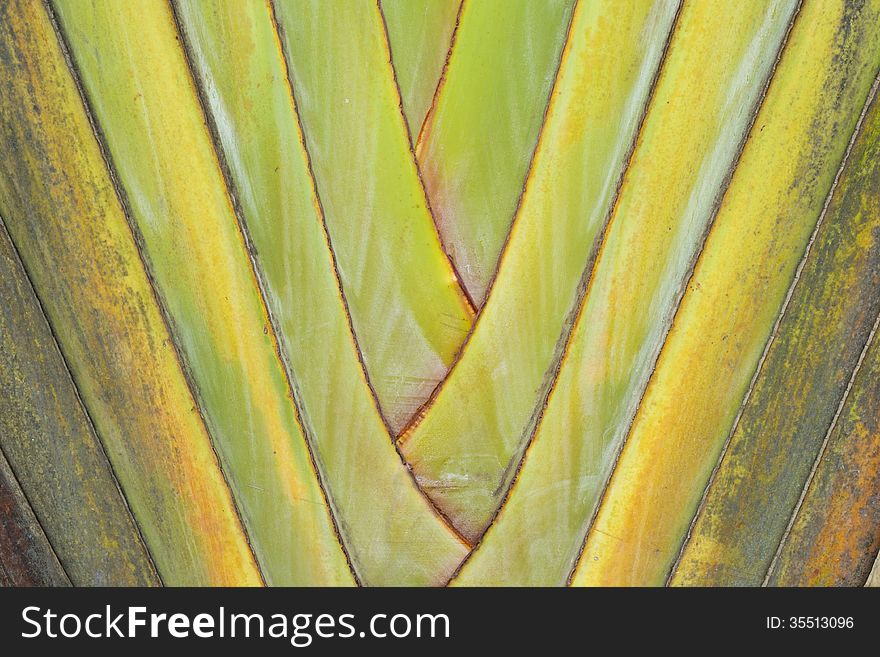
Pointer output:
x,y
439,292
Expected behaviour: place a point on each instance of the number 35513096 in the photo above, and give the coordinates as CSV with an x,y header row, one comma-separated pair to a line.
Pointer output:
x,y
810,622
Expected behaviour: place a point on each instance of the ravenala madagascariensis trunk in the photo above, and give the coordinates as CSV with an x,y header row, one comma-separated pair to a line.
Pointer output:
x,y
468,292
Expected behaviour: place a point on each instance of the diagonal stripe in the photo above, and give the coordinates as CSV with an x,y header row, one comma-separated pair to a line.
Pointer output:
x,y
734,296
162,151
407,308
421,35
52,448
389,530
387,36
71,232
798,384
710,84
466,449
477,142
834,532
213,77
26,555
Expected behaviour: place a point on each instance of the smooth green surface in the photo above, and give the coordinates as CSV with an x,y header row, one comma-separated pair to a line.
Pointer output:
x,y
420,33
392,533
408,311
466,448
478,140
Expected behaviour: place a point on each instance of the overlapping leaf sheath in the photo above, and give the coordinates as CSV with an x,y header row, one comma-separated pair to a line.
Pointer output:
x,y
800,386
137,81
392,533
26,557
466,448
420,35
836,530
408,311
739,285
65,219
49,441
479,136
716,68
